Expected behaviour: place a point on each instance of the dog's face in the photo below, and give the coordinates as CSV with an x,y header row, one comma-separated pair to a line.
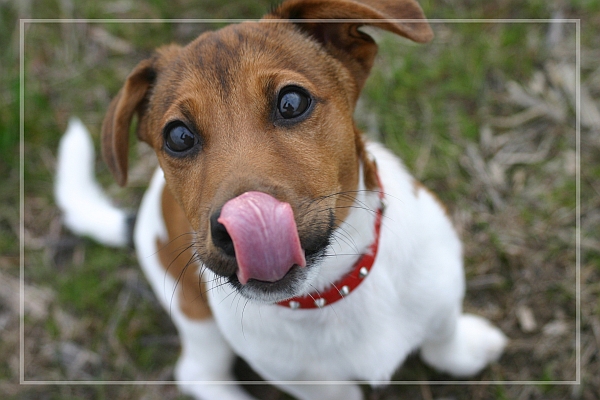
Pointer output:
x,y
263,108
255,117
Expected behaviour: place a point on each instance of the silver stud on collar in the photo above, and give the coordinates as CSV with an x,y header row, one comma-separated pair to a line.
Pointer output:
x,y
294,305
363,272
344,291
320,302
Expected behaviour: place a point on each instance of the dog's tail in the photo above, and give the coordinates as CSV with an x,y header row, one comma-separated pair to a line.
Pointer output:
x,y
87,211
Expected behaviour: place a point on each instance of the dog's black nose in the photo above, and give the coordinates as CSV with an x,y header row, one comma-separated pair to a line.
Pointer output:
x,y
220,236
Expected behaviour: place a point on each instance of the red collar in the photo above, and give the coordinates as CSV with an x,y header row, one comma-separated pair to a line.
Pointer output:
x,y
349,282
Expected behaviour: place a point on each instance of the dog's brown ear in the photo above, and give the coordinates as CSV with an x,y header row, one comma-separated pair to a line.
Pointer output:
x,y
342,18
115,128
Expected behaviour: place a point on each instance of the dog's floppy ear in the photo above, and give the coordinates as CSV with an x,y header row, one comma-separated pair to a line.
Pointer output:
x,y
343,39
115,128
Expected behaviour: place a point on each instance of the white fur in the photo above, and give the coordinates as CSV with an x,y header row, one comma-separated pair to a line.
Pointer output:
x,y
86,209
411,299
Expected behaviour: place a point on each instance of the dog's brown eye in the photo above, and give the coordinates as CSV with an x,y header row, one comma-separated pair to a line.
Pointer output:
x,y
293,102
179,138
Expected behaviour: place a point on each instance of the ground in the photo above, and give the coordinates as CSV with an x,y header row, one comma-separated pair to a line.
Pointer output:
x,y
485,116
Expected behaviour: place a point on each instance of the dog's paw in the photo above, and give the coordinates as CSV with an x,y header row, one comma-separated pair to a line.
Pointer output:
x,y
211,391
475,344
324,391
201,384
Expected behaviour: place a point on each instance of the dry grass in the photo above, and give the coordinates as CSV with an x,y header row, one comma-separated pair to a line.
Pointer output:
x,y
498,146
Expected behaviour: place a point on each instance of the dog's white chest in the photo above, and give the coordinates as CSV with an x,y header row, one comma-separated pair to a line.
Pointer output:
x,y
368,334
332,343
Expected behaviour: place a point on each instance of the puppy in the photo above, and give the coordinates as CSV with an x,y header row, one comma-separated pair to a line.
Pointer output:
x,y
273,230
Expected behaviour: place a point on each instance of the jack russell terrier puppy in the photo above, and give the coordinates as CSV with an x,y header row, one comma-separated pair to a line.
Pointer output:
x,y
272,229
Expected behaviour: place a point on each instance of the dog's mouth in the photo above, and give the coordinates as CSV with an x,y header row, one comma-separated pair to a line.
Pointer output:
x,y
264,236
257,239
293,283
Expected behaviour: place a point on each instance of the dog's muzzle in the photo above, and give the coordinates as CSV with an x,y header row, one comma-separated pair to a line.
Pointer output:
x,y
260,231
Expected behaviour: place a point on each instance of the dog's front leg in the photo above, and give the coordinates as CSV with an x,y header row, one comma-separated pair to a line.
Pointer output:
x,y
206,359
164,250
324,391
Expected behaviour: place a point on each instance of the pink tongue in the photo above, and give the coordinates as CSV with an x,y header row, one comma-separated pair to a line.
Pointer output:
x,y
264,236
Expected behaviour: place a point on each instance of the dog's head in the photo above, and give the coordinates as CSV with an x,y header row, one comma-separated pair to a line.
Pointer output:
x,y
253,128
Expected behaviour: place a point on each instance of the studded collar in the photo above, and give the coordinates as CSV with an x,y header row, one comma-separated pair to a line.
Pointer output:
x,y
350,281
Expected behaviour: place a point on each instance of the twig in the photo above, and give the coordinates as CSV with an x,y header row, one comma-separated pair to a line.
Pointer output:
x,y
478,168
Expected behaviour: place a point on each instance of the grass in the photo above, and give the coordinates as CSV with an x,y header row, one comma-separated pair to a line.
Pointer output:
x,y
445,108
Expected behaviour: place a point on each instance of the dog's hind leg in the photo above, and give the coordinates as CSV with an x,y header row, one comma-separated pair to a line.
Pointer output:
x,y
470,344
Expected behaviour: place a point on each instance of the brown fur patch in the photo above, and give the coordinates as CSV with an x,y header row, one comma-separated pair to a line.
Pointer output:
x,y
179,261
224,87
243,146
